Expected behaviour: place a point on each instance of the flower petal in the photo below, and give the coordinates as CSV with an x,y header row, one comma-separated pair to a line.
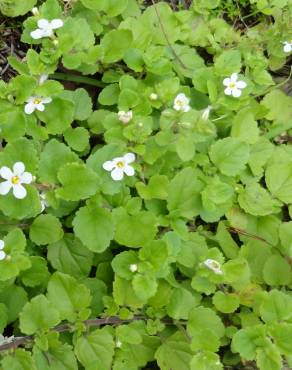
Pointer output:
x,y
2,244
19,191
56,23
117,174
43,24
108,165
26,178
37,34
2,255
186,108
287,47
228,91
5,187
241,84
236,92
40,107
226,81
29,108
18,168
129,157
233,77
46,100
6,173
129,170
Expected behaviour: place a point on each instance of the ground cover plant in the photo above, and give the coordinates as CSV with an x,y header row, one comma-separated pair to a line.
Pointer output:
x,y
146,185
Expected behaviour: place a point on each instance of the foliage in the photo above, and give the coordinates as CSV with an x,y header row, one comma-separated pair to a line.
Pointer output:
x,y
155,221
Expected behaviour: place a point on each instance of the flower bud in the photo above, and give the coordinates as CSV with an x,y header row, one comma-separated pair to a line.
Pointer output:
x,y
35,11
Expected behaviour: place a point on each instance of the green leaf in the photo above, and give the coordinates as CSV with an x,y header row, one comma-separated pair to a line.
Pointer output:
x,y
68,297
256,201
229,61
109,95
121,264
70,257
12,124
37,274
282,337
96,350
184,194
230,155
227,244
156,188
134,231
38,314
269,358
245,127
280,112
115,44
275,306
45,229
94,227
174,353
60,355
225,303
19,360
58,115
15,8
77,138
277,271
145,286
245,341
279,181
82,103
181,302
53,157
124,295
205,328
78,182
206,361
14,298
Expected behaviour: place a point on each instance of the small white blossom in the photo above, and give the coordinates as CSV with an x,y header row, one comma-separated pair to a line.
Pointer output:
x,y
120,165
213,265
118,344
206,112
233,86
46,28
2,253
43,77
287,46
133,267
15,179
35,11
36,103
181,103
43,200
153,96
125,117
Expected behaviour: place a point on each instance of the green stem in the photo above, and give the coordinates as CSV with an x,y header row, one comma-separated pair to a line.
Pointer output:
x,y
76,78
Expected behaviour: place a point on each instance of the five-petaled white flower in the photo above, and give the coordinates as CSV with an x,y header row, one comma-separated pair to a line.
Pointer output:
x,y
233,86
36,103
213,265
287,46
2,253
15,179
120,165
125,117
46,28
133,267
181,103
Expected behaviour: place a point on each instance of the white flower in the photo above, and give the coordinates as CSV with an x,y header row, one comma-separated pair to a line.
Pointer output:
x,y
46,28
120,165
35,102
181,103
133,267
43,77
206,112
125,117
35,11
287,46
118,343
43,200
213,265
233,86
15,179
153,96
2,253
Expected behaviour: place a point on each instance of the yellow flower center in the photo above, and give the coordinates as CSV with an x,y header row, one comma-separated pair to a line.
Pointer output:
x,y
180,103
232,85
120,164
15,180
215,264
37,101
